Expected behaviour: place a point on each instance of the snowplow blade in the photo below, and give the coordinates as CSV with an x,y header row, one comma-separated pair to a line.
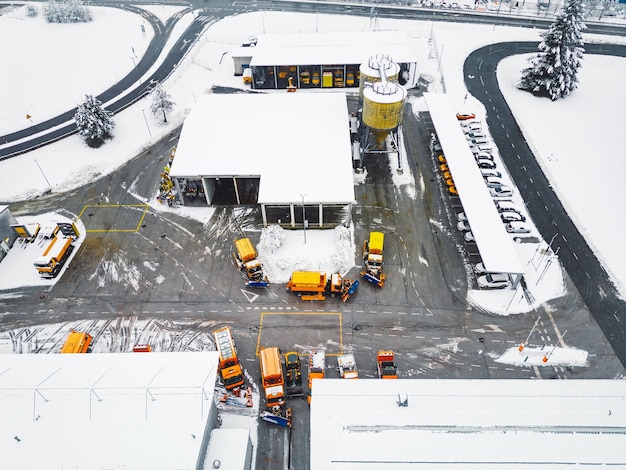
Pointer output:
x,y
353,287
283,421
374,280
257,283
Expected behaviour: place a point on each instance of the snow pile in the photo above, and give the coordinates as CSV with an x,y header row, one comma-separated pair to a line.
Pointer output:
x,y
284,251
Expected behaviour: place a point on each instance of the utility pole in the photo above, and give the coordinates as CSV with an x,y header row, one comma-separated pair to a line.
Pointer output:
x,y
303,218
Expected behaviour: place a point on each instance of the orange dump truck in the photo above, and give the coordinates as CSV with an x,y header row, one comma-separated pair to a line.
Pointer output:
x,y
230,369
386,367
272,378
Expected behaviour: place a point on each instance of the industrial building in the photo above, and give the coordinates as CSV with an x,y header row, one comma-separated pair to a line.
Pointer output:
x,y
322,60
290,153
461,424
91,411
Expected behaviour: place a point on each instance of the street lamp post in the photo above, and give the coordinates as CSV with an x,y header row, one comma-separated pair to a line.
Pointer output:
x,y
303,218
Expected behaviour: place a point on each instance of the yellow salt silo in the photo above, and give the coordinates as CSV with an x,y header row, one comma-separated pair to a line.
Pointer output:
x,y
383,103
370,72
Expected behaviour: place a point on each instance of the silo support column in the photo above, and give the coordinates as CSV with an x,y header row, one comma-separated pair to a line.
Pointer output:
x,y
236,190
291,214
321,215
264,215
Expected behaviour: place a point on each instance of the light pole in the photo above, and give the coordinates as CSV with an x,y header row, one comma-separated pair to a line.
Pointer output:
x,y
146,119
303,218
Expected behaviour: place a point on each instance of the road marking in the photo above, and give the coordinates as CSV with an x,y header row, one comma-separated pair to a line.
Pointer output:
x,y
251,296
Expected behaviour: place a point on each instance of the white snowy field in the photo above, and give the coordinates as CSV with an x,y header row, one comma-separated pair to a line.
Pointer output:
x,y
70,163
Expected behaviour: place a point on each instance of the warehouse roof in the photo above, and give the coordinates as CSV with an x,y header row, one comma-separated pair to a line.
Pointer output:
x,y
130,410
494,243
460,424
297,143
353,47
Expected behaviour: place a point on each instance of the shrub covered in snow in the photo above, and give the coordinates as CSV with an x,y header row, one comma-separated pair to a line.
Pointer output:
x,y
66,11
272,237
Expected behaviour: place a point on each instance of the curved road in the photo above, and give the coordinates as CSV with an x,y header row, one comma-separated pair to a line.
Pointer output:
x,y
65,120
549,215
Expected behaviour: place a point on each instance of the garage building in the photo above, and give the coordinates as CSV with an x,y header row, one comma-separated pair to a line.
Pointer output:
x,y
323,60
290,153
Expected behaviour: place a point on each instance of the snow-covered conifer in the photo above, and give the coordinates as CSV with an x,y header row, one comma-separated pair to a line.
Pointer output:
x,y
554,71
94,122
161,102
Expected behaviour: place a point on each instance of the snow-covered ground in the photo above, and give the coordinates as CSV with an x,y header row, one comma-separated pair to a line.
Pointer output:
x,y
594,108
577,140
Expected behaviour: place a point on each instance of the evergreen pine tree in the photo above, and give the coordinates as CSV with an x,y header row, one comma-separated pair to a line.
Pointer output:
x,y
161,102
554,71
94,122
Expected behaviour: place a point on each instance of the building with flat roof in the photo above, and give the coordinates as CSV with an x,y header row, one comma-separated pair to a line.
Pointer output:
x,y
461,424
92,411
283,151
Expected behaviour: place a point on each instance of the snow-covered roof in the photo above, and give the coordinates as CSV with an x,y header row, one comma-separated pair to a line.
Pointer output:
x,y
352,47
297,143
133,410
458,424
494,243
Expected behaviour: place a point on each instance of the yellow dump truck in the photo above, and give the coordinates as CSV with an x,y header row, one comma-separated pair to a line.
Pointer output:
x,y
373,259
246,260
314,285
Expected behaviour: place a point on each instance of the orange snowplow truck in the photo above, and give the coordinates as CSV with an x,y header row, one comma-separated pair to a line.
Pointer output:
x,y
386,367
76,343
313,285
373,259
317,369
230,369
272,378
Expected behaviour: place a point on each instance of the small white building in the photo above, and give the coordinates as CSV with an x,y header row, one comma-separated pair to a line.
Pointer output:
x,y
229,449
290,153
147,411
461,424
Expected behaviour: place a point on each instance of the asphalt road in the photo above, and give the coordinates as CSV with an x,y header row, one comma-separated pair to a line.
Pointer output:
x,y
181,273
549,215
